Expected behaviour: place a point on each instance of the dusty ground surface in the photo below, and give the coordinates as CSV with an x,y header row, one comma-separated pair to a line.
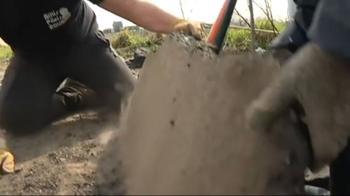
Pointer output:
x,y
59,160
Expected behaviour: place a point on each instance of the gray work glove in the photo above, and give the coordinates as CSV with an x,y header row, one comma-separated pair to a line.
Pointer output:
x,y
321,83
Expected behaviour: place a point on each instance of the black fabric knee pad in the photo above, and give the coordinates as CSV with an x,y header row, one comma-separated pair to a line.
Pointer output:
x,y
19,121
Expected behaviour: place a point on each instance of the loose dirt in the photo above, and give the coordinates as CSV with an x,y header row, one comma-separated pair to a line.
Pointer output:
x,y
59,160
185,132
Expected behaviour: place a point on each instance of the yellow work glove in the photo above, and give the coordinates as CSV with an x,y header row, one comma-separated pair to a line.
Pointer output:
x,y
7,161
191,28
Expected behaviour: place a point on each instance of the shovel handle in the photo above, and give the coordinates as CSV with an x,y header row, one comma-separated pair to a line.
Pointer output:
x,y
218,31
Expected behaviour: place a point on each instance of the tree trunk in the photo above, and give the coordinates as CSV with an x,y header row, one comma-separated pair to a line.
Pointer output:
x,y
252,25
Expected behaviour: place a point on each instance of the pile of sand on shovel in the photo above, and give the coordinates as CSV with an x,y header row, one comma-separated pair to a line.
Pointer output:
x,y
185,130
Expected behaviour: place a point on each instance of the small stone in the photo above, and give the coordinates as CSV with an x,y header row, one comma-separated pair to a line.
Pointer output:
x,y
172,123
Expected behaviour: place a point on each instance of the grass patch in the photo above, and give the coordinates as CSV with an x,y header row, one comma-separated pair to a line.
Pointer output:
x,y
262,23
240,40
5,52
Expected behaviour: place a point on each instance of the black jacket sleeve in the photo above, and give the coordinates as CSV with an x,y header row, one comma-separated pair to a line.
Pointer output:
x,y
295,35
331,27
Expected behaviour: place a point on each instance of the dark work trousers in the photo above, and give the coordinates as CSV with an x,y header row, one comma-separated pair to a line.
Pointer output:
x,y
28,99
340,173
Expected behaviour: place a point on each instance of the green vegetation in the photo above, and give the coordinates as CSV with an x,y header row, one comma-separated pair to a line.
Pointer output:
x,y
240,39
5,52
126,42
266,25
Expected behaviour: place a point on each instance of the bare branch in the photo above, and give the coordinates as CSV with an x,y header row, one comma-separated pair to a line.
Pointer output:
x,y
268,13
182,9
269,9
242,17
252,23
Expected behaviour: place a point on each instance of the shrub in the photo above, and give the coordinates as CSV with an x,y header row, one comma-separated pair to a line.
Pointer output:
x,y
238,40
126,42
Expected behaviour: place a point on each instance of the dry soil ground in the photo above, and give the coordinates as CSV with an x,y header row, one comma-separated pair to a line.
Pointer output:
x,y
59,160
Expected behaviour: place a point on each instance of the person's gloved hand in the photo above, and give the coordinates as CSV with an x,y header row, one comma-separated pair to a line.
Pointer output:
x,y
191,28
321,83
7,161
